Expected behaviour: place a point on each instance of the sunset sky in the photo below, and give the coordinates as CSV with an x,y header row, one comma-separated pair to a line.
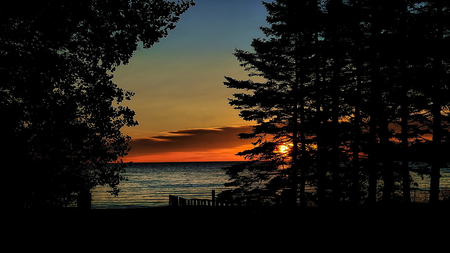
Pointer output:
x,y
181,103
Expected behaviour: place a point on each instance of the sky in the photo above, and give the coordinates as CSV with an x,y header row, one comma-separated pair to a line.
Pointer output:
x,y
181,103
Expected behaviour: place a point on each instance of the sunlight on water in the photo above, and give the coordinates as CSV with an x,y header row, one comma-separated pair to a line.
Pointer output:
x,y
149,184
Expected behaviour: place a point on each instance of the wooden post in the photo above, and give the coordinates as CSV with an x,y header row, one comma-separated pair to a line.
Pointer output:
x,y
84,199
182,201
173,200
213,197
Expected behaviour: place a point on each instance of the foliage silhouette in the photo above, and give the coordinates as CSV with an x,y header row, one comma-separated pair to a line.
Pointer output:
x,y
61,113
347,88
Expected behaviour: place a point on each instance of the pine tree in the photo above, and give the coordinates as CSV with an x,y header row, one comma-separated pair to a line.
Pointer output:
x,y
281,105
437,18
338,76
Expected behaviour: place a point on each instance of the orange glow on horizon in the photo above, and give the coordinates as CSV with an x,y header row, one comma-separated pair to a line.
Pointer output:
x,y
215,155
182,157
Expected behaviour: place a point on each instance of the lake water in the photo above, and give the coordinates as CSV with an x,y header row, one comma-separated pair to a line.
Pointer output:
x,y
149,184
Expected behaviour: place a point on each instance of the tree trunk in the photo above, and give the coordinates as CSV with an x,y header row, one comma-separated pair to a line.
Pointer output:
x,y
436,110
320,157
295,165
336,182
385,158
404,108
335,12
357,36
354,196
404,153
297,129
303,153
375,95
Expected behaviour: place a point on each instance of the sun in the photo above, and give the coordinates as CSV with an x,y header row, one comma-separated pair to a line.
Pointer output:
x,y
283,149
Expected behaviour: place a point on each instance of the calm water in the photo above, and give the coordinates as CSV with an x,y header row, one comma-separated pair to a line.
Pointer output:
x,y
149,184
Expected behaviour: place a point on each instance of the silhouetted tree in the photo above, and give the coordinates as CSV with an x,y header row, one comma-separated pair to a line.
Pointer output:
x,y
280,105
355,97
61,113
435,17
337,83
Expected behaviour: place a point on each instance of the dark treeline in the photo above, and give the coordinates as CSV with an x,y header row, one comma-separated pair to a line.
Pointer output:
x,y
61,113
359,90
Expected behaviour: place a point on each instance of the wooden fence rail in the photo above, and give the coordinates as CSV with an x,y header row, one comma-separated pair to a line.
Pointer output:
x,y
417,196
180,201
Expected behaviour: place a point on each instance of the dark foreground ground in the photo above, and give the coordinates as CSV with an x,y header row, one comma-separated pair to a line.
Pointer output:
x,y
388,216
235,229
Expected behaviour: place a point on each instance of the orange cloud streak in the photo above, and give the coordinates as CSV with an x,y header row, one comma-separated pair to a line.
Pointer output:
x,y
191,145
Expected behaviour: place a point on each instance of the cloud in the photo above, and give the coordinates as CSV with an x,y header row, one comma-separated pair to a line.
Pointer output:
x,y
194,141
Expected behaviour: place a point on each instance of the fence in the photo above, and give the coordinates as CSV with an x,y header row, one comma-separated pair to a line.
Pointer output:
x,y
180,201
417,196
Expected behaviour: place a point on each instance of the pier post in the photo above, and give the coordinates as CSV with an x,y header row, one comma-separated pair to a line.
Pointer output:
x,y
84,199
173,200
213,195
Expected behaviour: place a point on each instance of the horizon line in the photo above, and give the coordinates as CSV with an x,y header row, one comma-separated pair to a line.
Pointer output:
x,y
185,162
